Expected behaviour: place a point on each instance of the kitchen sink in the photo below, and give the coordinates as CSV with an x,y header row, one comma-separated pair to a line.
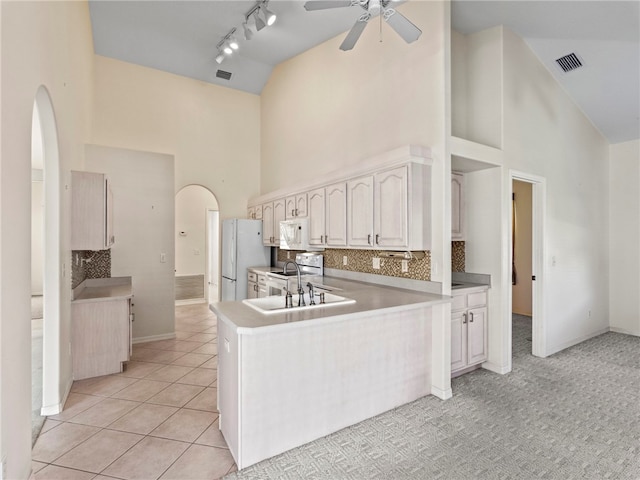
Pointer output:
x,y
276,303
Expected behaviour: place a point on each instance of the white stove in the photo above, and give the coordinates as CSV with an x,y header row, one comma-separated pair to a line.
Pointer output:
x,y
310,264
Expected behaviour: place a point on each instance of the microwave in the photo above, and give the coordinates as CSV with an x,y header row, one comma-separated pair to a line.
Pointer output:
x,y
294,234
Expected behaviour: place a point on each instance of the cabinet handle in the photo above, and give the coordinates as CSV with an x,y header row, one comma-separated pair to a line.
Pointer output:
x,y
296,212
464,318
321,238
377,239
293,213
470,317
369,239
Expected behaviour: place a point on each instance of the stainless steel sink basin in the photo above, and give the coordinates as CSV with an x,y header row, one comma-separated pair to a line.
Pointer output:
x,y
276,303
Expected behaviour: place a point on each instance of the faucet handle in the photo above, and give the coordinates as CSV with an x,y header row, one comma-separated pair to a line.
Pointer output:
x,y
288,301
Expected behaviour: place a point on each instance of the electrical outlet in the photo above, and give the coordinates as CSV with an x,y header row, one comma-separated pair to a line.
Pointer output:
x,y
288,255
376,263
405,266
163,258
344,260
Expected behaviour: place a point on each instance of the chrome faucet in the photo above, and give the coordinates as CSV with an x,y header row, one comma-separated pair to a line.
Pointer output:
x,y
300,291
311,300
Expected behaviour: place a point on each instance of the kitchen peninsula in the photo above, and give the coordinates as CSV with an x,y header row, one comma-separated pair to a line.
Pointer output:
x,y
288,378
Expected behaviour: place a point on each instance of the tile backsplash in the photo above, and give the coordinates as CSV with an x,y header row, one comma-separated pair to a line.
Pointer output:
x,y
457,257
89,264
362,261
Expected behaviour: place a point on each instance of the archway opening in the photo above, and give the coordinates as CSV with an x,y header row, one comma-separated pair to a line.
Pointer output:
x,y
197,245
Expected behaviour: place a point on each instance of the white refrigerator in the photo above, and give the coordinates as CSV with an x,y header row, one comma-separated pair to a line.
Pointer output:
x,y
242,248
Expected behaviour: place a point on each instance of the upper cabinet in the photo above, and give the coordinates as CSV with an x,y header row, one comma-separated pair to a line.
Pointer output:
x,y
271,214
457,207
383,203
91,211
296,206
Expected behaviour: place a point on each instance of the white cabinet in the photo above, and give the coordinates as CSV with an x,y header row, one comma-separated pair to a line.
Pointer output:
x,y
360,212
91,211
296,206
263,291
252,285
255,212
468,330
328,216
100,337
272,214
457,207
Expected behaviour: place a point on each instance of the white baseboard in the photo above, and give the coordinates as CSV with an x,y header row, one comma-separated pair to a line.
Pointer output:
x,y
624,331
191,301
575,341
492,367
441,394
48,410
153,338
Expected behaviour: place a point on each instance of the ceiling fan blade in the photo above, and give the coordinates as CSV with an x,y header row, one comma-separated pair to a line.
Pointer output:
x,y
353,35
403,27
324,4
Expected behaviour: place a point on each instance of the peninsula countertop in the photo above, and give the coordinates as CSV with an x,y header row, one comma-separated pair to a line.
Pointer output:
x,y
103,289
367,296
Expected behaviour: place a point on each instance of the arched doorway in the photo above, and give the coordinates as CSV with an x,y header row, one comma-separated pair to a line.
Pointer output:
x,y
45,146
197,245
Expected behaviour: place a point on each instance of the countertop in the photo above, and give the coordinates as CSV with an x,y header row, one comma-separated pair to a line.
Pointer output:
x,y
368,297
264,269
457,286
103,289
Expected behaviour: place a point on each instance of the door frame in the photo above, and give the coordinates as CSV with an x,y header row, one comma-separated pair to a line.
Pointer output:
x,y
538,213
212,247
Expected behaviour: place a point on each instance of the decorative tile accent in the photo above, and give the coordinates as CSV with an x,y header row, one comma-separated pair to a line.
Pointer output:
x,y
89,264
457,257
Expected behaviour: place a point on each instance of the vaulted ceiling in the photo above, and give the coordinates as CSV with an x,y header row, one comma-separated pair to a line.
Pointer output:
x,y
180,37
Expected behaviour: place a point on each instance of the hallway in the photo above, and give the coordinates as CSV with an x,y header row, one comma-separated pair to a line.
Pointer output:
x,y
157,419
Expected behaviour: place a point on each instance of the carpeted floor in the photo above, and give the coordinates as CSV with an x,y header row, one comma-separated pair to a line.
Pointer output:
x,y
574,415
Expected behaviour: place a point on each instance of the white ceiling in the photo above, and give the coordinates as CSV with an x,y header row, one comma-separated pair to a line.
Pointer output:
x,y
181,36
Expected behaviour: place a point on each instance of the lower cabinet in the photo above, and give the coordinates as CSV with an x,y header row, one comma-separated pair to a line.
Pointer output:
x,y
468,330
100,337
252,285
262,285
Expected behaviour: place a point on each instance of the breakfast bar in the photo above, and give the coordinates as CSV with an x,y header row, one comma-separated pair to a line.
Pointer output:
x,y
285,379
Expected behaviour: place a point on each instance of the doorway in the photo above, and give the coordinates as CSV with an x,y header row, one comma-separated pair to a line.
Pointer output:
x,y
46,260
197,245
526,253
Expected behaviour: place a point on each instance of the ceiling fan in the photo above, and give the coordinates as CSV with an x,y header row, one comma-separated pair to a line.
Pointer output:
x,y
403,27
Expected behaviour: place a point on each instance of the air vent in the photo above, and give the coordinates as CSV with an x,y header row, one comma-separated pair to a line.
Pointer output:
x,y
224,75
569,62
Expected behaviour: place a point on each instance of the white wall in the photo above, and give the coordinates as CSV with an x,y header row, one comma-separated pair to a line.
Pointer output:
x,y
624,237
143,224
37,247
50,44
213,132
192,203
546,134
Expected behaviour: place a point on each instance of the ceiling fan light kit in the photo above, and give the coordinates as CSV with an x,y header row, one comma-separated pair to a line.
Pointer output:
x,y
261,16
398,22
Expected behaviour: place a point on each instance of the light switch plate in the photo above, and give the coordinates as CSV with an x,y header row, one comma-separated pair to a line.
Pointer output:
x,y
376,263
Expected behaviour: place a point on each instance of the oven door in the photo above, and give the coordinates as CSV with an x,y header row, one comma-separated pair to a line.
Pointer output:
x,y
276,285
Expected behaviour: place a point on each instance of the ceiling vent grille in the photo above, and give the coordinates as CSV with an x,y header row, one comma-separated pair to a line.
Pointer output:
x,y
224,75
569,62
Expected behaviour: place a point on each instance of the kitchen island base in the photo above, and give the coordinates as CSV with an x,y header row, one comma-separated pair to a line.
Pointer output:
x,y
279,388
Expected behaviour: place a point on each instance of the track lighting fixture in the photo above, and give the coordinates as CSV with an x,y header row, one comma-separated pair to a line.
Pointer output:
x,y
260,23
233,42
247,31
219,58
269,16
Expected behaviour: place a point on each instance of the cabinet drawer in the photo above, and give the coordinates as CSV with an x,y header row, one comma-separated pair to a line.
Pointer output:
x,y
252,277
262,280
476,299
459,302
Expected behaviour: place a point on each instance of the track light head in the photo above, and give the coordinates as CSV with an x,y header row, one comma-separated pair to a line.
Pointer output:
x,y
219,58
269,16
247,31
260,23
233,42
227,48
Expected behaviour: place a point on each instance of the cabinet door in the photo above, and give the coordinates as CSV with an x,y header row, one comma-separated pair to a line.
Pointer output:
x,y
301,205
316,217
267,223
391,208
251,212
279,215
360,212
458,340
258,212
477,335
252,290
109,237
91,211
457,207
336,215
290,206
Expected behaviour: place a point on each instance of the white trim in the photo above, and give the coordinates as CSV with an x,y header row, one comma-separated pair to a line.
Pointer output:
x,y
441,394
56,409
624,331
576,341
492,367
538,318
153,338
190,301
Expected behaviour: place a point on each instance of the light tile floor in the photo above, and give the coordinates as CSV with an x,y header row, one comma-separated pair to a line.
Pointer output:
x,y
156,420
